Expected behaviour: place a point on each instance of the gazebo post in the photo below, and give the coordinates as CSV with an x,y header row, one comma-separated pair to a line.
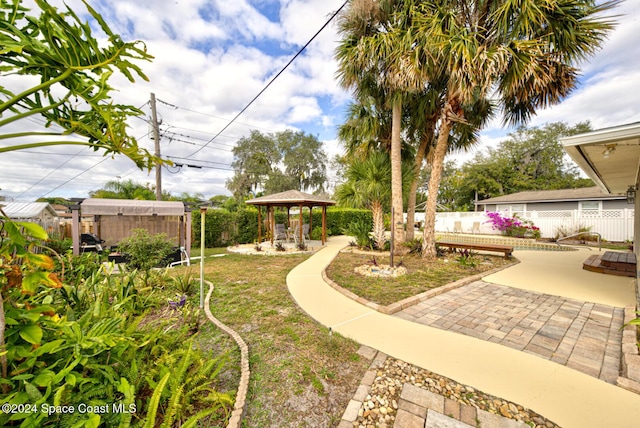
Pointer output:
x,y
324,224
300,224
259,224
272,222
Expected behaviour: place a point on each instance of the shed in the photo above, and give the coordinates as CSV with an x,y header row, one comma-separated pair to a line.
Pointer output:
x,y
115,218
41,213
289,199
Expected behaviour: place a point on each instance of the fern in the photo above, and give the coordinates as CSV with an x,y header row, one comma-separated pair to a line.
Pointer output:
x,y
155,401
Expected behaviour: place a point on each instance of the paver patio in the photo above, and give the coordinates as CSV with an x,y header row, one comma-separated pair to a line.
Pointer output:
x,y
581,335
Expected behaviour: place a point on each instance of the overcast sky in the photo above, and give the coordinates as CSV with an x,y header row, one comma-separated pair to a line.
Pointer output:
x,y
213,56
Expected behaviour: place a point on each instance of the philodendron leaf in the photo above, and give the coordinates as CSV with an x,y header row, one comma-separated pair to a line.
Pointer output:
x,y
31,333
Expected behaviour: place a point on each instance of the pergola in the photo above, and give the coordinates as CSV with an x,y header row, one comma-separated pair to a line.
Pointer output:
x,y
289,199
115,218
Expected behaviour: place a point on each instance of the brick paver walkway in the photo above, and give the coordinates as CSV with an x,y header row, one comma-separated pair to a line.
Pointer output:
x,y
581,335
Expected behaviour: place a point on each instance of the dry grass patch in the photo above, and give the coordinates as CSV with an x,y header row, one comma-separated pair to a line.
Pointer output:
x,y
422,275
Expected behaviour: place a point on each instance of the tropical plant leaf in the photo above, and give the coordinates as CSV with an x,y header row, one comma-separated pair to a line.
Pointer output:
x,y
31,333
155,401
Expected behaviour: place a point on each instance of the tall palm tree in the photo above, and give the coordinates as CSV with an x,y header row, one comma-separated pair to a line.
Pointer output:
x,y
367,129
371,51
522,52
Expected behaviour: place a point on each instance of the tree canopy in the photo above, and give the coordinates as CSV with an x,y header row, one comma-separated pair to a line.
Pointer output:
x,y
530,158
277,162
482,56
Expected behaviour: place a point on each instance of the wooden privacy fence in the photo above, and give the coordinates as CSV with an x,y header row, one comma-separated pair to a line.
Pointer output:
x,y
612,225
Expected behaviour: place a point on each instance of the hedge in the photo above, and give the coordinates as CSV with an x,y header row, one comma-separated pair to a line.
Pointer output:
x,y
225,228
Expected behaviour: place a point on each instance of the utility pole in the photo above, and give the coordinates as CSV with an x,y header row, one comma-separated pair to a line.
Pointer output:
x,y
156,140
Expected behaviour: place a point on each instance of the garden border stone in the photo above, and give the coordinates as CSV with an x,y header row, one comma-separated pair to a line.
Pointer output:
x,y
241,396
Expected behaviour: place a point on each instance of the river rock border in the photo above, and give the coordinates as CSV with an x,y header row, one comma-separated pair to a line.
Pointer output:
x,y
241,396
397,394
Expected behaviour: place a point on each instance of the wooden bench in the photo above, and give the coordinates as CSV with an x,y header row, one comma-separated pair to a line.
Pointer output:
x,y
506,249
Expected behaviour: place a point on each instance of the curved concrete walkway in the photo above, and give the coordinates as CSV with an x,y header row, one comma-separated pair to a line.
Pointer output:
x,y
566,396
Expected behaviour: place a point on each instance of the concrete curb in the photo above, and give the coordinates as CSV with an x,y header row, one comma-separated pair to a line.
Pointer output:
x,y
241,396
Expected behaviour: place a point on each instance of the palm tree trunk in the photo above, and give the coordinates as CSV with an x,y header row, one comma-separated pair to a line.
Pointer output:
x,y
379,235
397,222
413,189
429,234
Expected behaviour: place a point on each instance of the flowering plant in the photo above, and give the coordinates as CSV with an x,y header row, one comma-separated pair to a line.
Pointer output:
x,y
513,226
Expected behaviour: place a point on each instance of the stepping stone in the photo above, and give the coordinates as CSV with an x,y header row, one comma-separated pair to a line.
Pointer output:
x,y
438,420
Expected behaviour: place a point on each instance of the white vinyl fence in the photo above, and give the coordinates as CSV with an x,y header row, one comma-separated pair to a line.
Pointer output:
x,y
612,225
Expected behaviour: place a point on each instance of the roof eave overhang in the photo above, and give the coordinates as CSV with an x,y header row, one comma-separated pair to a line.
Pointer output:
x,y
612,174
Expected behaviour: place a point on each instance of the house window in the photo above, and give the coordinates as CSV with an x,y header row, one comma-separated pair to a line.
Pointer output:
x,y
512,208
590,206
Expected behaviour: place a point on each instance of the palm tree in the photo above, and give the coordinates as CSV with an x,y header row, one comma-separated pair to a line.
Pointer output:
x,y
368,186
523,50
127,189
367,129
371,52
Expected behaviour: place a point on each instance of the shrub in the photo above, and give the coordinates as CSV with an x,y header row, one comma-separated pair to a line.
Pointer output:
x,y
513,226
145,251
316,233
466,259
58,244
361,231
414,245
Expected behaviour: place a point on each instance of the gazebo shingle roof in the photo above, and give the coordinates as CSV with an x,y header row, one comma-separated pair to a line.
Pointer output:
x,y
291,198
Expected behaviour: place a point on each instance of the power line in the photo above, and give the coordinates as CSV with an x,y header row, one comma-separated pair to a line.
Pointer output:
x,y
201,166
176,107
51,172
74,177
194,144
86,170
169,127
274,78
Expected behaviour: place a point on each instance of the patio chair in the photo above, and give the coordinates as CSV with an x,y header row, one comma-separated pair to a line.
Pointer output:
x,y
295,232
305,231
476,227
457,227
281,233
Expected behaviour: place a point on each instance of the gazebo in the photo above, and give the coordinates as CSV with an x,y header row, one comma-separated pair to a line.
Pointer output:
x,y
289,199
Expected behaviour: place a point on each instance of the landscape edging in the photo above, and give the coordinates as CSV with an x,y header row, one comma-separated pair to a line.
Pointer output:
x,y
413,300
243,387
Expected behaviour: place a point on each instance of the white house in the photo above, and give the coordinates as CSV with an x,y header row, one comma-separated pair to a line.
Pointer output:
x,y
589,199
